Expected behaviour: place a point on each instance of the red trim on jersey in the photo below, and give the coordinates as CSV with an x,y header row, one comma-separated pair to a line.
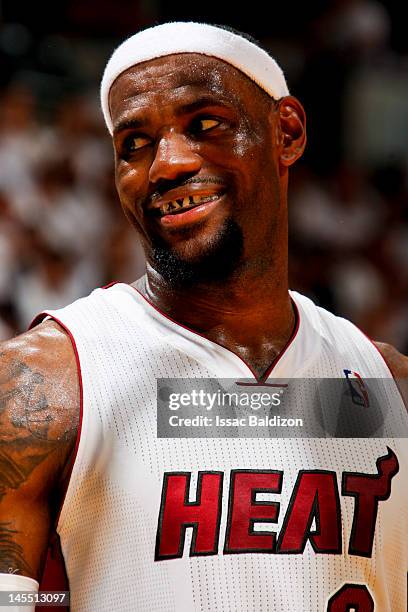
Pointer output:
x,y
274,362
55,570
110,284
54,576
382,355
376,347
38,319
288,343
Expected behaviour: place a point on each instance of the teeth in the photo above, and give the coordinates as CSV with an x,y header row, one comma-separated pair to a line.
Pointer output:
x,y
186,202
208,198
169,206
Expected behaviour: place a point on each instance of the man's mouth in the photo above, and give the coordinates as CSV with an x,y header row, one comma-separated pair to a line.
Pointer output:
x,y
178,205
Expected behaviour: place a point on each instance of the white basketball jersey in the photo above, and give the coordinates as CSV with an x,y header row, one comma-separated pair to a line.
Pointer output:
x,y
227,524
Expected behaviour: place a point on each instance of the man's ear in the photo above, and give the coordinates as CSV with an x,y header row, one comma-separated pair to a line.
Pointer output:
x,y
292,135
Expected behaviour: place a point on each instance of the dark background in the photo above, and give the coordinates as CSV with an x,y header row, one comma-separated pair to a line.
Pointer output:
x,y
62,232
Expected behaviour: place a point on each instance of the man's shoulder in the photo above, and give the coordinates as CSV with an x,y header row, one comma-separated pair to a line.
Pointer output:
x,y
46,348
396,361
398,364
40,342
39,391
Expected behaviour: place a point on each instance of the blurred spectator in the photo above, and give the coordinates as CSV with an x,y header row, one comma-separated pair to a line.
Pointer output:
x,y
344,213
20,141
51,283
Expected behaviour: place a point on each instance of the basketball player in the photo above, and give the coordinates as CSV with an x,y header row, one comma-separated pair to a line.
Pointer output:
x,y
204,133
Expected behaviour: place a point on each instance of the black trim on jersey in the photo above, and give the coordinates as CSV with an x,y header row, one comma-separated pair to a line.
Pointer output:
x,y
228,551
194,524
310,535
351,549
352,606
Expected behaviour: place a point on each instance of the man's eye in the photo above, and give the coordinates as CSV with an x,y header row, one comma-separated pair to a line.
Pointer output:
x,y
207,124
133,143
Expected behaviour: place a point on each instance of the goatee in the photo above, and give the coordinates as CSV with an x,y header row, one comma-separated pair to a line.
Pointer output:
x,y
216,263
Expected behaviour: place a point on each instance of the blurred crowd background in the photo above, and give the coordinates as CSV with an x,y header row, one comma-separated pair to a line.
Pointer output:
x,y
62,232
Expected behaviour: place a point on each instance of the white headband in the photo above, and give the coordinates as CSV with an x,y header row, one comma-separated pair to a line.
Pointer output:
x,y
190,37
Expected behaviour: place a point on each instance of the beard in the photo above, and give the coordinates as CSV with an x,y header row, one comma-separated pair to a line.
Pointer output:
x,y
218,260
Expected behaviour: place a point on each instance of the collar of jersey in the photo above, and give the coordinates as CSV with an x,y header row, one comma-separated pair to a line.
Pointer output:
x,y
291,362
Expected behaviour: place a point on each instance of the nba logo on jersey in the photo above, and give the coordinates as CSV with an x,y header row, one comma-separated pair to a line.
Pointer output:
x,y
358,390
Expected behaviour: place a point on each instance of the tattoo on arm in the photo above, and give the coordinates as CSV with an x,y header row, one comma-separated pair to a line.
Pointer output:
x,y
13,474
33,426
25,388
11,553
25,439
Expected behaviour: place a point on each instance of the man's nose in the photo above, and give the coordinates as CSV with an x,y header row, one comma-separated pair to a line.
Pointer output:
x,y
174,157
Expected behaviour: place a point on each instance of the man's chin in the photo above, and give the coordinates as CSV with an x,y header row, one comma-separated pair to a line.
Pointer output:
x,y
190,263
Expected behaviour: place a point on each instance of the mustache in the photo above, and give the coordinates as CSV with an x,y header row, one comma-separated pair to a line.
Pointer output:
x,y
168,185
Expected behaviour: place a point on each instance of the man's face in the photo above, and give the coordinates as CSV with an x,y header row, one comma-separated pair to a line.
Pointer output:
x,y
196,164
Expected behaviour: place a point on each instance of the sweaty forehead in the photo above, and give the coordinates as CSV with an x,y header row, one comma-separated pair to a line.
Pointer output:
x,y
181,74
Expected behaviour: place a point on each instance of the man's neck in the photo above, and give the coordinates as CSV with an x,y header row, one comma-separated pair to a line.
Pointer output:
x,y
252,319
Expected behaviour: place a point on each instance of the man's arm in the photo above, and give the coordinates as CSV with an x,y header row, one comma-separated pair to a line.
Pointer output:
x,y
39,413
398,365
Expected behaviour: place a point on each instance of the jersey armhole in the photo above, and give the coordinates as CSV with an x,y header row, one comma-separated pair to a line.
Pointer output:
x,y
74,457
387,365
